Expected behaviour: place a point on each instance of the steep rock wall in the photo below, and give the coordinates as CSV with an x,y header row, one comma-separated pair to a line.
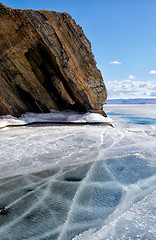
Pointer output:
x,y
46,63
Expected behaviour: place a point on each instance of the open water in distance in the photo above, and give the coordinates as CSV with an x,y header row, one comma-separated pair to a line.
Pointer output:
x,y
80,182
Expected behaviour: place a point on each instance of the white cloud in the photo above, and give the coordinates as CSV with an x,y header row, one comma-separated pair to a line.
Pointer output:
x,y
115,62
131,89
131,77
152,72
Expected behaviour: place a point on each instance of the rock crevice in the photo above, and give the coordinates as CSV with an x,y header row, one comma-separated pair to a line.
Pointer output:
x,y
46,63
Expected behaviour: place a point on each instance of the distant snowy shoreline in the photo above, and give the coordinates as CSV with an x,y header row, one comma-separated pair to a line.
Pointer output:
x,y
132,101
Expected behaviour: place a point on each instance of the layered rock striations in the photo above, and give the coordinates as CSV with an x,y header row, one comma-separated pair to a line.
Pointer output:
x,y
46,63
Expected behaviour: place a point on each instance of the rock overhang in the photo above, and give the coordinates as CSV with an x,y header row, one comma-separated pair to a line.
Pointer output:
x,y
46,63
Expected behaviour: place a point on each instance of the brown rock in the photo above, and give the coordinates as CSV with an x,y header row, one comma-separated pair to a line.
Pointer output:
x,y
46,63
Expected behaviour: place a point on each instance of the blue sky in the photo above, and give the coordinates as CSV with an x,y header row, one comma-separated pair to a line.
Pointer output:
x,y
123,38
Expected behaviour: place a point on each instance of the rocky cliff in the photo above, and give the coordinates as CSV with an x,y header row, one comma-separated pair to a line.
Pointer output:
x,y
46,63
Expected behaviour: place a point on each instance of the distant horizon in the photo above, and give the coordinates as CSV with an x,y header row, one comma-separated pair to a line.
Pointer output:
x,y
131,101
130,98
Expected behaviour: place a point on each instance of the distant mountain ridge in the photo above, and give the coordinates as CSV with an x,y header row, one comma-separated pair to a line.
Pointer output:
x,y
132,101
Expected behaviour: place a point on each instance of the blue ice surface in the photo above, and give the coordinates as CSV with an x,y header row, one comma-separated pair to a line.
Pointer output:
x,y
130,169
135,119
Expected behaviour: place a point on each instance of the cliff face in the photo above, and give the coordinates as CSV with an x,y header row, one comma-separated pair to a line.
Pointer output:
x,y
46,63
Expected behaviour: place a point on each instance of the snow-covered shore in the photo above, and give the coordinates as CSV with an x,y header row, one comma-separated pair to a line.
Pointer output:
x,y
53,117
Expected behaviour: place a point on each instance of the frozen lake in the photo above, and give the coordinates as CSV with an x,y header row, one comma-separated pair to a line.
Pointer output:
x,y
80,182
